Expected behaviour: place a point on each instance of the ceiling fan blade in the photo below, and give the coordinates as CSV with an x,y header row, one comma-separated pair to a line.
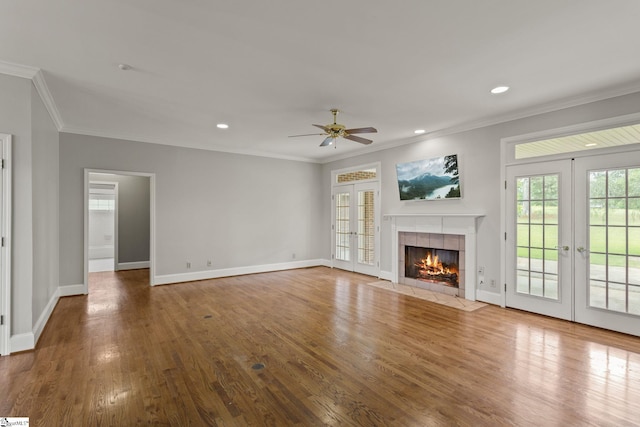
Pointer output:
x,y
324,128
327,141
358,139
307,134
361,130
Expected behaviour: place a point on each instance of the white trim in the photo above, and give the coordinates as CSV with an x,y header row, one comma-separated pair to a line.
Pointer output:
x,y
495,120
49,103
46,314
461,224
22,342
5,251
488,297
37,78
18,70
152,220
70,290
132,265
238,271
386,275
145,139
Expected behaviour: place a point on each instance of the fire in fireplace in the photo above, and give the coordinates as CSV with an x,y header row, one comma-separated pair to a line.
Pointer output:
x,y
432,265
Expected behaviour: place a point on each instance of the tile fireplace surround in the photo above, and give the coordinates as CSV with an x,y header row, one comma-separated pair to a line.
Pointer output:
x,y
457,231
433,241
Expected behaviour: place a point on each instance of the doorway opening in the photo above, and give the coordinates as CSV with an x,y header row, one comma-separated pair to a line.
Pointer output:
x,y
103,218
119,231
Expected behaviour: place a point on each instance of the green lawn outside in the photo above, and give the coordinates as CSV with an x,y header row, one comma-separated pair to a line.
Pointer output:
x,y
533,233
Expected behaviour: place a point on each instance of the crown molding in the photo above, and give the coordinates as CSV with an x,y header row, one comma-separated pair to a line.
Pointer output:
x,y
146,140
18,70
35,75
43,90
499,119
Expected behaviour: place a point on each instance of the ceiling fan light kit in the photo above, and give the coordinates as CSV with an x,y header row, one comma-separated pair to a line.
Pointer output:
x,y
336,130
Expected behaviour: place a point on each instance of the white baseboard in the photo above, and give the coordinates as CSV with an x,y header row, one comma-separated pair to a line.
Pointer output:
x,y
238,271
44,316
70,290
386,275
22,342
132,265
488,297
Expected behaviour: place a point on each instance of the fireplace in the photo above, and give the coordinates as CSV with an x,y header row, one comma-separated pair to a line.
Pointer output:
x,y
432,261
432,265
451,231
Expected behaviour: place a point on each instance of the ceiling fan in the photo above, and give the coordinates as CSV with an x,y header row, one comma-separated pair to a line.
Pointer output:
x,y
336,130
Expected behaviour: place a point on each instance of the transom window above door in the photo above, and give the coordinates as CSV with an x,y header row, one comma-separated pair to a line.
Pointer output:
x,y
358,175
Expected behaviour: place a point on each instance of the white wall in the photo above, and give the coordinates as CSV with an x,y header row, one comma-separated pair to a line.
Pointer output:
x,y
231,209
479,154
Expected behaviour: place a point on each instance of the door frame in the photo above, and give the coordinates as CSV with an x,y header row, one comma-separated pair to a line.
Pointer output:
x,y
5,250
563,306
152,221
507,158
377,207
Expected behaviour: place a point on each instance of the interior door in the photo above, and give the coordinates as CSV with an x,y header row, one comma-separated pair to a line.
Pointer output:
x,y
539,255
355,227
607,222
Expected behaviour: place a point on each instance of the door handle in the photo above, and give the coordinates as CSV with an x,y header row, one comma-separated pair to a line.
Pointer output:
x,y
581,249
562,248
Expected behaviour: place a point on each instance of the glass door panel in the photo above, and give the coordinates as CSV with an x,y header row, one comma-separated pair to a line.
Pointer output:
x,y
608,240
343,226
355,227
366,227
538,260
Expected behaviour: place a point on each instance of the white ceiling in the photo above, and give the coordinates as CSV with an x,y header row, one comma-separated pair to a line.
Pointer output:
x,y
272,68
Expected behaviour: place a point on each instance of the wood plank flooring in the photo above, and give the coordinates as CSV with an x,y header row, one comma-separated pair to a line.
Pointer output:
x,y
335,352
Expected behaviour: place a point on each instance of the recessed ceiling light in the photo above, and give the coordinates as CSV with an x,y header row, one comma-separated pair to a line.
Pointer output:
x,y
499,89
125,67
419,131
222,126
591,144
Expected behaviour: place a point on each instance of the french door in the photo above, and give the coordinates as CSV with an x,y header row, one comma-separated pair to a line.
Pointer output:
x,y
539,247
573,240
607,257
355,228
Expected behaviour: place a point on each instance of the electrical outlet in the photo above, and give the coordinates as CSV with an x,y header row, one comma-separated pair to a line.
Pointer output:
x,y
293,256
188,264
481,271
493,283
209,263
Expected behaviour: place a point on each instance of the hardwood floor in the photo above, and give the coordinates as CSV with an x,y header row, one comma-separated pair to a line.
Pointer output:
x,y
335,352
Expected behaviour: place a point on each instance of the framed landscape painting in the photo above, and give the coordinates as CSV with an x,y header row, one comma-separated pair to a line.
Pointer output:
x,y
430,179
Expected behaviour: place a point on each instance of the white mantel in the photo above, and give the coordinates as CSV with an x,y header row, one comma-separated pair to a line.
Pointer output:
x,y
442,223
